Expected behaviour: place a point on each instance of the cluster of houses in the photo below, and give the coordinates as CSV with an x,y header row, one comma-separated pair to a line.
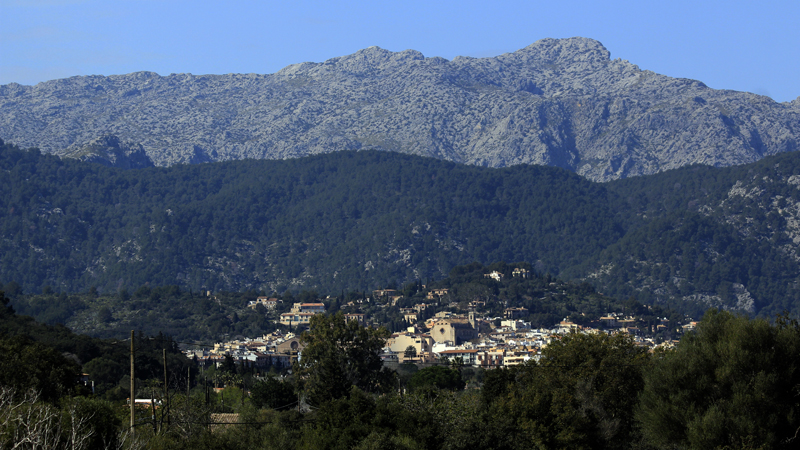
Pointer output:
x,y
445,337
275,350
478,342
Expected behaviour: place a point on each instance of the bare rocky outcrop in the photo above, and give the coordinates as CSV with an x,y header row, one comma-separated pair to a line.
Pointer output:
x,y
556,102
110,151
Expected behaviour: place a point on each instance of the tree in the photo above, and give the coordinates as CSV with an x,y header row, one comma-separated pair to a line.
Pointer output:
x,y
439,377
28,365
273,393
410,353
339,354
581,394
5,308
734,382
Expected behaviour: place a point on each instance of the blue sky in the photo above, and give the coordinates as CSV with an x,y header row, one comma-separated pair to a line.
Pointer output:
x,y
741,45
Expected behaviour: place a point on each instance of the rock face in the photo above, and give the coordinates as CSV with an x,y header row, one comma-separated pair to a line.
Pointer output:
x,y
109,151
556,102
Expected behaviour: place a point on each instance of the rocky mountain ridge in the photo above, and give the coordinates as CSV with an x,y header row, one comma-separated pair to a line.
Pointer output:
x,y
561,102
110,151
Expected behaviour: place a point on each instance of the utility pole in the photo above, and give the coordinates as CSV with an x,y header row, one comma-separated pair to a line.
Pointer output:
x,y
153,410
133,390
166,392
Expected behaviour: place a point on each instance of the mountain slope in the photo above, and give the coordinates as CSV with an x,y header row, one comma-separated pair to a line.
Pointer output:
x,y
359,220
556,102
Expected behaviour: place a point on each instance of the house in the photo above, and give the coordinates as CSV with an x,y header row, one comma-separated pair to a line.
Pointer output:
x,y
269,303
609,321
295,319
360,318
378,293
566,326
399,342
435,294
477,304
515,325
515,313
409,315
144,403
516,358
521,273
279,361
468,356
301,313
491,359
495,275
314,308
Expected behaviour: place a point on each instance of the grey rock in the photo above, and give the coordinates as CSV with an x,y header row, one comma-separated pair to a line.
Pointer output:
x,y
110,151
561,102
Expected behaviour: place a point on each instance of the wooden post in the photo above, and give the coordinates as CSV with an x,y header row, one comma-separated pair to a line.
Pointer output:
x,y
165,401
153,410
133,389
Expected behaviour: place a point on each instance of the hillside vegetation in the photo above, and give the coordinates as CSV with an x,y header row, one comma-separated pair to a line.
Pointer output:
x,y
358,220
187,315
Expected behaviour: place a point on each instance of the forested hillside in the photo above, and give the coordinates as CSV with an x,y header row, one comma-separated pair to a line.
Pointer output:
x,y
359,220
187,315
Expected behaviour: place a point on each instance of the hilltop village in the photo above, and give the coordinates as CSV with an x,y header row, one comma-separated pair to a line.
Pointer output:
x,y
440,326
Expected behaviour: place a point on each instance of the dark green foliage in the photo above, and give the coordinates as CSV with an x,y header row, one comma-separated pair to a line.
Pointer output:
x,y
5,308
27,365
273,393
497,384
340,355
161,223
733,382
342,220
210,226
438,377
581,394
35,357
168,309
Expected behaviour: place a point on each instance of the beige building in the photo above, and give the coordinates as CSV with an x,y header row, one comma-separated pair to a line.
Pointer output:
x,y
295,319
410,315
398,343
316,308
521,273
452,330
289,346
269,303
358,317
515,313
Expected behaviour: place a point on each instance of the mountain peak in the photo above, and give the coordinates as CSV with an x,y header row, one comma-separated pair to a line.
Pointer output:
x,y
566,51
560,102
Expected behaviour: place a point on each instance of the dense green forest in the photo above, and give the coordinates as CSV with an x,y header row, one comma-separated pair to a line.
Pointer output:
x,y
591,391
723,237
